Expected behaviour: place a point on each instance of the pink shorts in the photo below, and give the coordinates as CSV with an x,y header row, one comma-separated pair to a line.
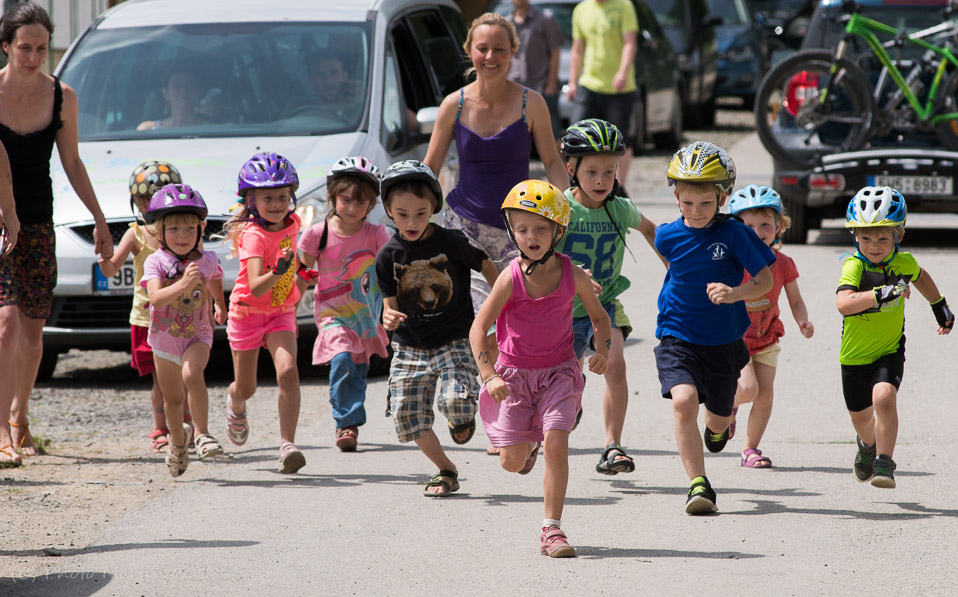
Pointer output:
x,y
248,331
539,400
140,350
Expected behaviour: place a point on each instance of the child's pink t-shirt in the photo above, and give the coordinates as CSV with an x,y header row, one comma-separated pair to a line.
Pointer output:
x,y
256,241
188,319
348,303
766,326
536,333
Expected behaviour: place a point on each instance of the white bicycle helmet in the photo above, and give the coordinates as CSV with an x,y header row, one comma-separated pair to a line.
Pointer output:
x,y
876,206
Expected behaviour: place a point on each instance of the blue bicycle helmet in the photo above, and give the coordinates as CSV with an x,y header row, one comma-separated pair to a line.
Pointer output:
x,y
876,206
753,197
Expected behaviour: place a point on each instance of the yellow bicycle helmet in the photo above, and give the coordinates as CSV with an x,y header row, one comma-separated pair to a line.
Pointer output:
x,y
540,198
701,161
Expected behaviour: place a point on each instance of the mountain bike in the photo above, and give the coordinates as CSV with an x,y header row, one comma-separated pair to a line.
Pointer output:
x,y
818,102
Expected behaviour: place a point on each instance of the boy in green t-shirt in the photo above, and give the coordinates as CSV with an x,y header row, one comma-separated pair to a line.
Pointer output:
x,y
595,239
871,295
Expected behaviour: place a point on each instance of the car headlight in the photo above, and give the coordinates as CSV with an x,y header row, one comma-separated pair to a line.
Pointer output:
x,y
740,54
311,206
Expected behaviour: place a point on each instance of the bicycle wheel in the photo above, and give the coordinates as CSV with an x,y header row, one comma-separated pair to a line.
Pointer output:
x,y
947,130
793,122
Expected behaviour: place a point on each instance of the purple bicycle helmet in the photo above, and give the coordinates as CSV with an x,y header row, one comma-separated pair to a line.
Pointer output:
x,y
175,198
410,171
266,171
359,167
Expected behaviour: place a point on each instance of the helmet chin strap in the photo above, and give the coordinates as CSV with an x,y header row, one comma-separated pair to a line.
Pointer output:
x,y
533,264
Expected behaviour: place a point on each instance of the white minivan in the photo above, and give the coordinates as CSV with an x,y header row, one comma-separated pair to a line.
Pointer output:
x,y
205,85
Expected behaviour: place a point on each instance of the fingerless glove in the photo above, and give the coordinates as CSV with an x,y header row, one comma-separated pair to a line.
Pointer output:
x,y
943,315
282,265
890,292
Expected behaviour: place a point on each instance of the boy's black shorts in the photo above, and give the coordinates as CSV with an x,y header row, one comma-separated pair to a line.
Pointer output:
x,y
858,381
713,370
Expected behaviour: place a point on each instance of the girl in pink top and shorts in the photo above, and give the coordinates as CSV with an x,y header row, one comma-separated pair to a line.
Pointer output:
x,y
532,384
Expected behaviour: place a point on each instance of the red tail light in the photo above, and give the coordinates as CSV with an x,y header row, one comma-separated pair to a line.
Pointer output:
x,y
803,86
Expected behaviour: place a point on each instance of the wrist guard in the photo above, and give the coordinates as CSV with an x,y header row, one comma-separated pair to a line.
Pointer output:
x,y
307,274
943,315
282,265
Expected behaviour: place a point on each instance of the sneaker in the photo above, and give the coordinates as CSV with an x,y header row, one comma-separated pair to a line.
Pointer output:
x,y
715,442
290,459
555,544
701,498
884,470
864,461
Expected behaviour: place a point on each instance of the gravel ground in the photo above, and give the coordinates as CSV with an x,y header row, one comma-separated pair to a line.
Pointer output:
x,y
95,415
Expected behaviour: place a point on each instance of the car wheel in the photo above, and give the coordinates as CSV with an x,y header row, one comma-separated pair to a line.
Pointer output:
x,y
48,363
797,233
707,113
671,139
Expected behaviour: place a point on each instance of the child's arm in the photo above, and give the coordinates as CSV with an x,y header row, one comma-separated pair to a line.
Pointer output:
x,y
260,283
799,311
128,244
760,284
161,297
599,362
647,229
484,347
219,300
853,302
392,316
943,314
489,272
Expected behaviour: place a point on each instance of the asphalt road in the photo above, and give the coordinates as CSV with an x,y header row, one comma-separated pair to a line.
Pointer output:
x,y
357,524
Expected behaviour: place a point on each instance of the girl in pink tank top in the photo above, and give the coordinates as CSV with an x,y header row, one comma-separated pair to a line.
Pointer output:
x,y
532,384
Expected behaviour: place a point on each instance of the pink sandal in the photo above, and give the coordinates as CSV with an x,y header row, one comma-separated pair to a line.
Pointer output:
x,y
555,544
753,458
347,438
159,440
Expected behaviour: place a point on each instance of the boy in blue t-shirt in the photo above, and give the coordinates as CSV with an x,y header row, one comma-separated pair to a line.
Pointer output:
x,y
595,240
701,314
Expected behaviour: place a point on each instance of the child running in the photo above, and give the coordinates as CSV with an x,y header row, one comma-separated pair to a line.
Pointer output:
x,y
348,304
533,389
423,271
595,240
147,178
180,280
760,208
870,296
701,314
263,302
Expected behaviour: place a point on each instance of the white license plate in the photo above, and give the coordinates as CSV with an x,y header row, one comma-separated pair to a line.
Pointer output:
x,y
922,185
121,283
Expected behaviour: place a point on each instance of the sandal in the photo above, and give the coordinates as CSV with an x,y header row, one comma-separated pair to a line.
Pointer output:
x,y
159,440
731,427
207,446
236,426
531,460
492,451
614,460
12,458
178,457
290,459
347,438
469,427
439,480
31,448
752,458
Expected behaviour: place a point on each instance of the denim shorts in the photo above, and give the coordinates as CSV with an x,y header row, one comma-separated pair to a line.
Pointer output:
x,y
583,333
713,370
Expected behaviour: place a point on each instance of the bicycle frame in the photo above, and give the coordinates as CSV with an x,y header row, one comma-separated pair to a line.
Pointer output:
x,y
865,28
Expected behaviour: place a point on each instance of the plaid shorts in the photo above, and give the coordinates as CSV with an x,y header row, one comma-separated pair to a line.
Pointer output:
x,y
412,386
29,274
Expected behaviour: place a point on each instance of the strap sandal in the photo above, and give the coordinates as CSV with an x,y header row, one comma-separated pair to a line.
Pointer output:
x,y
455,430
347,438
236,426
752,458
555,544
290,458
614,460
439,480
25,438
531,460
207,446
178,457
159,439
9,457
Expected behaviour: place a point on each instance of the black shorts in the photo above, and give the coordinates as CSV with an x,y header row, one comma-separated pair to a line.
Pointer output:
x,y
617,108
713,370
858,381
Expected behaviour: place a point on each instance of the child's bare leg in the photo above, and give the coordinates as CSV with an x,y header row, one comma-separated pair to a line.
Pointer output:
x,y
244,383
864,423
513,458
615,402
194,364
885,399
429,445
282,347
156,401
747,385
170,376
556,477
761,410
685,409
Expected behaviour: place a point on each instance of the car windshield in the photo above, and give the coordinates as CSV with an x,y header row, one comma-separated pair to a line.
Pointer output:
x,y
220,80
733,12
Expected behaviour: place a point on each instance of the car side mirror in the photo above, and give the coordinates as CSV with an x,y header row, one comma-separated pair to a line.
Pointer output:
x,y
426,122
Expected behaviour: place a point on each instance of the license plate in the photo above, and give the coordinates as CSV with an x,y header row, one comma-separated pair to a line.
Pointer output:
x,y
121,283
920,185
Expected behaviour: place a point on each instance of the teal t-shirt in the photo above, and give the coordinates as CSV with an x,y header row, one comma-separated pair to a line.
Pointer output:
x,y
877,331
592,243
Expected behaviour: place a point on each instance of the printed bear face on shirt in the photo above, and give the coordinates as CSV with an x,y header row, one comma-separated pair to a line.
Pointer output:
x,y
423,287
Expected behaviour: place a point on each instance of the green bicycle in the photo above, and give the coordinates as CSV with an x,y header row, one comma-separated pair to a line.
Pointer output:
x,y
817,102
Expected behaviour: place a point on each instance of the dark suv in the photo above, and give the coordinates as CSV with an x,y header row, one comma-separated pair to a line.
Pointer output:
x,y
904,157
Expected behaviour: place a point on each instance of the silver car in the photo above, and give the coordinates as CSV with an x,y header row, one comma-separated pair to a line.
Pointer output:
x,y
205,85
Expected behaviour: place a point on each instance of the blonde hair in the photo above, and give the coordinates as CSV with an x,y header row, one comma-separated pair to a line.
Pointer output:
x,y
693,185
235,226
142,202
782,222
340,184
493,19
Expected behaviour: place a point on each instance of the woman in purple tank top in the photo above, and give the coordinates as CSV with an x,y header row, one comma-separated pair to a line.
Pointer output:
x,y
494,122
